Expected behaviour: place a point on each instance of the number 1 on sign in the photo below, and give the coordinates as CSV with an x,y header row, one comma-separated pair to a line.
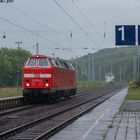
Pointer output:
x,y
122,32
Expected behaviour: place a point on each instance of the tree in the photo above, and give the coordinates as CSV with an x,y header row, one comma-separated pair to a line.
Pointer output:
x,y
11,60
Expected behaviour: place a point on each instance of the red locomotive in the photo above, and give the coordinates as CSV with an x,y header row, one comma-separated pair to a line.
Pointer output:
x,y
46,78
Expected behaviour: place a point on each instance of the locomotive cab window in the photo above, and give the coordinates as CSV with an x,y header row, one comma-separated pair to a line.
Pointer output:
x,y
31,62
51,61
72,67
43,62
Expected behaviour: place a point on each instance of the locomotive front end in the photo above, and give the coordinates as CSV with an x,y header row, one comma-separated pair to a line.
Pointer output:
x,y
37,77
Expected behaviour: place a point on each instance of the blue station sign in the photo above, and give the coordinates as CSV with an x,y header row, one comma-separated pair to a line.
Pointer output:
x,y
125,35
138,34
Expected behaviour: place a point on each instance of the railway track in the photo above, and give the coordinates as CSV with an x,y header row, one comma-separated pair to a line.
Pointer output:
x,y
11,110
16,108
44,127
11,102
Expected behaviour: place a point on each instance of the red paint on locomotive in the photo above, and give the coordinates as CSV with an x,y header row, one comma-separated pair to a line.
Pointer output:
x,y
49,77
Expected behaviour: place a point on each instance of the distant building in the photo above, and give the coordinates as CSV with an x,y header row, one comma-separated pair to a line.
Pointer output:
x,y
109,77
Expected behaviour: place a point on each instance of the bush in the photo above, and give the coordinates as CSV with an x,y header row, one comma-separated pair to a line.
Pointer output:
x,y
138,83
135,83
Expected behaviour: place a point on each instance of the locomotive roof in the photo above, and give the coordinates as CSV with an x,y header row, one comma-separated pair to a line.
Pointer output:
x,y
54,62
38,56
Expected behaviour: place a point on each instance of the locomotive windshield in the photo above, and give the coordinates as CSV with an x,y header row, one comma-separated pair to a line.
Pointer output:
x,y
31,62
43,62
37,62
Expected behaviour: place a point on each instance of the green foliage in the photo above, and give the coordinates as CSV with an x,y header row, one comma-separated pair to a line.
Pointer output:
x,y
133,94
115,58
89,85
134,83
138,83
11,60
10,92
110,126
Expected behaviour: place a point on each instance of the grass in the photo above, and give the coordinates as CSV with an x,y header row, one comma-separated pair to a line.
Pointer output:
x,y
133,94
104,136
90,85
82,86
110,126
9,92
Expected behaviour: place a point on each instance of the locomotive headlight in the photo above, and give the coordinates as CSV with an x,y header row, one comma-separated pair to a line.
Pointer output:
x,y
47,84
27,84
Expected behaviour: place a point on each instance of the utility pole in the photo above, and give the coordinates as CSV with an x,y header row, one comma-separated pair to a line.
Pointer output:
x,y
37,48
93,70
17,71
100,73
89,67
77,67
111,69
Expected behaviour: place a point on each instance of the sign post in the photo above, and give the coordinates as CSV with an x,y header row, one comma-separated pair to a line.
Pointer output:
x,y
17,80
129,35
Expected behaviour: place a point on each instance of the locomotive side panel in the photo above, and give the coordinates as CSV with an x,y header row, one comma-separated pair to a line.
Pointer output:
x,y
64,79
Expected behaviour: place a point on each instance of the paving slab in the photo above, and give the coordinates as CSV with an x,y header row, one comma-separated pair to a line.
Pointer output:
x,y
95,124
131,105
127,128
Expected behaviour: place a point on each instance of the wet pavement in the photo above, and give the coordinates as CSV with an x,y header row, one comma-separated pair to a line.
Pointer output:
x,y
131,105
125,126
104,123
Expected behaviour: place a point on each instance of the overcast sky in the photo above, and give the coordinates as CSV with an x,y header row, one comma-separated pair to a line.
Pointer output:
x,y
43,21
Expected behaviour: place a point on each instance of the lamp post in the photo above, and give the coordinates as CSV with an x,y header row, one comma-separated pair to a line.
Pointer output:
x,y
17,71
90,70
100,73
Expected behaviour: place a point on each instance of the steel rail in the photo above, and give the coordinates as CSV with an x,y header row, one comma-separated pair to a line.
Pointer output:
x,y
9,133
16,101
14,109
59,127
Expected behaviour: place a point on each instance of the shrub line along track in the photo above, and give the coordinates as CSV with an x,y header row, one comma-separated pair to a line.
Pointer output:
x,y
90,103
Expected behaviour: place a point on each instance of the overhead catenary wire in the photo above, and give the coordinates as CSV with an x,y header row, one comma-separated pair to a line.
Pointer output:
x,y
75,22
39,22
86,19
114,17
26,30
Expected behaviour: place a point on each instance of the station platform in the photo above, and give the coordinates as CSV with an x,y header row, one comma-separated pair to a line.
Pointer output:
x,y
10,98
102,123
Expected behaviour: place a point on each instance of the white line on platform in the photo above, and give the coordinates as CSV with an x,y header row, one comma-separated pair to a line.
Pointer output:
x,y
89,130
